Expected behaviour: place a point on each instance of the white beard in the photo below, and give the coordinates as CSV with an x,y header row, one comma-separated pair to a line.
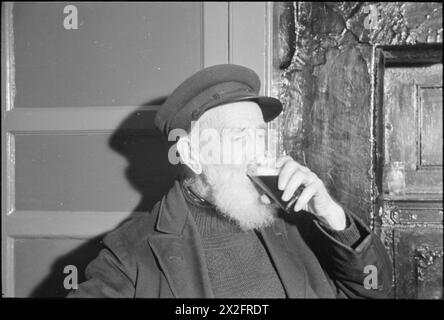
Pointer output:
x,y
236,197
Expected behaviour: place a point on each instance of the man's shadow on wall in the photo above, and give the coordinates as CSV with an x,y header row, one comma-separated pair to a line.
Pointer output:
x,y
148,171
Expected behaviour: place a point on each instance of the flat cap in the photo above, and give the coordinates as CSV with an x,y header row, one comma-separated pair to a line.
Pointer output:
x,y
209,88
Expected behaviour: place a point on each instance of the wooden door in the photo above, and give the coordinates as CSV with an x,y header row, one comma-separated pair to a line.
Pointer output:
x,y
411,127
79,149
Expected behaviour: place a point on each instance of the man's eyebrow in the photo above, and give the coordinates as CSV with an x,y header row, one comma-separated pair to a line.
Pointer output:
x,y
243,128
262,126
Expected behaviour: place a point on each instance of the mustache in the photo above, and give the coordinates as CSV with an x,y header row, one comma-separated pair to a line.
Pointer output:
x,y
226,174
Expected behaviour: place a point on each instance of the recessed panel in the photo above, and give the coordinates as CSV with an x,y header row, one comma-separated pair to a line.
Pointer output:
x,y
431,125
413,125
120,53
39,264
90,172
419,258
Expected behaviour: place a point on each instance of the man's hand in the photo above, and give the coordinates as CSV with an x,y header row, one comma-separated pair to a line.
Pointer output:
x,y
314,198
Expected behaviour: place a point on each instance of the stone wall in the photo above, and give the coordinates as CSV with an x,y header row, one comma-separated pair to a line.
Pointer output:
x,y
324,78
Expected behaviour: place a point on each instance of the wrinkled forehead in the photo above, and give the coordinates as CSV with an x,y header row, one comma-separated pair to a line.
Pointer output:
x,y
240,114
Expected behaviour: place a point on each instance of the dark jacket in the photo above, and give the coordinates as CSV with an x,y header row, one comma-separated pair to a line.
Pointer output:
x,y
159,254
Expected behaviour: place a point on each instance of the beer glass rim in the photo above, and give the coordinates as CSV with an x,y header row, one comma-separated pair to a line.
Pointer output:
x,y
262,170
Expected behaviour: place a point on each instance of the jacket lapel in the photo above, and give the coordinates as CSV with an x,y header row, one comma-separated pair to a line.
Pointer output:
x,y
177,247
289,269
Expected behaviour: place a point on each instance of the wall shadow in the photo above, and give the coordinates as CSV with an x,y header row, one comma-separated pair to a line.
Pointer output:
x,y
148,171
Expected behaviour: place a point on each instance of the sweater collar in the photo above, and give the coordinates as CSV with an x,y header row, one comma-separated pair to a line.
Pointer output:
x,y
193,198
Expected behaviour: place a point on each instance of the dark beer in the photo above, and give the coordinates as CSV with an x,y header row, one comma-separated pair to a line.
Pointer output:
x,y
266,179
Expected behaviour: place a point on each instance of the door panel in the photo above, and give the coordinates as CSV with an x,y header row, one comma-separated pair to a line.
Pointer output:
x,y
52,175
44,279
430,120
106,61
413,124
419,262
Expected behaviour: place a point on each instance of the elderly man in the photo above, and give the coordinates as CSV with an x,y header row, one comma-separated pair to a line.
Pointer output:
x,y
215,234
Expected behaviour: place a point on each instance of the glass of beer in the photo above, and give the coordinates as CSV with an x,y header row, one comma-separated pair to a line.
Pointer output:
x,y
265,176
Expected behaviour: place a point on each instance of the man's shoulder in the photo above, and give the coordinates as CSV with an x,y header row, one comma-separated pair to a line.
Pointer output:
x,y
132,232
135,230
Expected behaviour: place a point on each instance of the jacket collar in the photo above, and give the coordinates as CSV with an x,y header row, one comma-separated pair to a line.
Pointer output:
x,y
178,248
173,211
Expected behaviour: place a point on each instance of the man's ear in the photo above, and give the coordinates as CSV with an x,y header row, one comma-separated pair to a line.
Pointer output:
x,y
188,155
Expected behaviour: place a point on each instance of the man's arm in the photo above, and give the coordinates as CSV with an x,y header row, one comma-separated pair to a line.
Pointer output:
x,y
348,251
354,258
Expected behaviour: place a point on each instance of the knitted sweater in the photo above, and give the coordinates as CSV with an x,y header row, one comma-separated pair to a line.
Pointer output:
x,y
238,264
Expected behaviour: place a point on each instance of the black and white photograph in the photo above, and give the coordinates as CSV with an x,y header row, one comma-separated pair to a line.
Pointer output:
x,y
222,150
